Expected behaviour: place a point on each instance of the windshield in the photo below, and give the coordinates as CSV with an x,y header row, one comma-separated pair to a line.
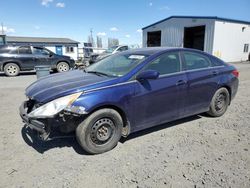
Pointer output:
x,y
111,49
116,65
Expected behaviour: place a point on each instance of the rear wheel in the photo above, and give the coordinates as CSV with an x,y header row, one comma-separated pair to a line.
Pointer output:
x,y
62,67
219,103
100,132
11,69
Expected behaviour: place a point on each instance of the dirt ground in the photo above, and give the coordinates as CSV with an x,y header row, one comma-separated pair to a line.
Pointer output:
x,y
194,152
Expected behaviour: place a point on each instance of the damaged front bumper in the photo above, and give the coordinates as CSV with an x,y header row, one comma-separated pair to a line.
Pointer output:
x,y
50,127
37,124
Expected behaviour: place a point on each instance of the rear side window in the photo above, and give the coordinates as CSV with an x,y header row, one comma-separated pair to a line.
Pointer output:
x,y
24,50
216,62
165,64
4,50
195,61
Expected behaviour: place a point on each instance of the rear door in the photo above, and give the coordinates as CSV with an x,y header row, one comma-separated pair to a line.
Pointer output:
x,y
25,57
203,81
160,100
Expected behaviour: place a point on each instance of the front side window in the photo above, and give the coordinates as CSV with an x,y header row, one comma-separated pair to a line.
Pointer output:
x,y
116,65
40,51
165,64
24,50
195,61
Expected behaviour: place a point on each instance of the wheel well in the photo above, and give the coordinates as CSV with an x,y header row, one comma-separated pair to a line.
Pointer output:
x,y
61,62
11,62
119,110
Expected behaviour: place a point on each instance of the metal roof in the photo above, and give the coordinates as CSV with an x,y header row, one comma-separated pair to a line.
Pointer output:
x,y
39,40
200,17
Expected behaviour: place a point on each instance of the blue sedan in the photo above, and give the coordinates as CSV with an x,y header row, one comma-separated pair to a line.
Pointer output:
x,y
128,92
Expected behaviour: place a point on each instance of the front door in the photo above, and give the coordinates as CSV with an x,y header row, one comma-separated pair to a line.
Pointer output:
x,y
42,56
59,50
160,100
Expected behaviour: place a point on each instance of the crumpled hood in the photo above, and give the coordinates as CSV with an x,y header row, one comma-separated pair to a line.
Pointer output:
x,y
61,84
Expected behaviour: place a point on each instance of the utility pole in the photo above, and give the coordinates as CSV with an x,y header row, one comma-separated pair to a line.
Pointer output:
x,y
2,28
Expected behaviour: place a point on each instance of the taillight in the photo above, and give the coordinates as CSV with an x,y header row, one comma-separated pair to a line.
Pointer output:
x,y
235,73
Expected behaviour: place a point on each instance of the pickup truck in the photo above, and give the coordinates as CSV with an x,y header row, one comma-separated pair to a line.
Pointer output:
x,y
14,59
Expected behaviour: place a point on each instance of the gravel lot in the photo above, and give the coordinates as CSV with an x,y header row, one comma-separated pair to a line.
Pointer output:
x,y
194,152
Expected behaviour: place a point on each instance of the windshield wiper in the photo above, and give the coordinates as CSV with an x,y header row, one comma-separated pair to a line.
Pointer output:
x,y
98,73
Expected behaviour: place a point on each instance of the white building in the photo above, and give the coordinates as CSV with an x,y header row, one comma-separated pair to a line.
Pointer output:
x,y
60,46
225,38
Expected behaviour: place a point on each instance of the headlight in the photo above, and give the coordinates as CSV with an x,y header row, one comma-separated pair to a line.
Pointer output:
x,y
55,106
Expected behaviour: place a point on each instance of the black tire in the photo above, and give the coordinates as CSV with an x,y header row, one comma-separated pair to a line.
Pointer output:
x,y
100,131
11,69
219,103
62,67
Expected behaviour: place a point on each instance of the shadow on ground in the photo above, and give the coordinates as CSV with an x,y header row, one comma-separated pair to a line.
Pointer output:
x,y
31,138
25,73
21,74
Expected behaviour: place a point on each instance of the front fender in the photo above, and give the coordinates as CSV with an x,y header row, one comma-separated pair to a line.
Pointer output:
x,y
118,95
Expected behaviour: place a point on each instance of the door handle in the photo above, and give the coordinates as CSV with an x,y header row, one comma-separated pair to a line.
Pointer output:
x,y
181,82
215,73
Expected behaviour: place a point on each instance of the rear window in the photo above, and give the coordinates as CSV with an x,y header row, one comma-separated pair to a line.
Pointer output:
x,y
10,50
4,50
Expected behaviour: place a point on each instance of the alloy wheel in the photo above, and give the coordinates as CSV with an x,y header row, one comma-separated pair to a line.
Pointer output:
x,y
63,67
12,70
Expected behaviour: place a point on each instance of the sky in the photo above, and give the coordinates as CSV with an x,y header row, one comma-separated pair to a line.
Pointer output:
x,y
122,19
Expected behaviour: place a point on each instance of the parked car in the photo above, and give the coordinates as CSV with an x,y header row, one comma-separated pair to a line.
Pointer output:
x,y
14,59
115,49
129,92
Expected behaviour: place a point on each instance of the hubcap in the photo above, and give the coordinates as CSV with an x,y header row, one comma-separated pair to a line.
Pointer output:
x,y
220,101
102,131
12,70
63,68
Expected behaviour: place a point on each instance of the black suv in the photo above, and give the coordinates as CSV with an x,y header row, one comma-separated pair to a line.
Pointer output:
x,y
14,59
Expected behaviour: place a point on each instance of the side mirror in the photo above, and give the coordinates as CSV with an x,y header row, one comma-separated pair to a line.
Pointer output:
x,y
51,54
148,74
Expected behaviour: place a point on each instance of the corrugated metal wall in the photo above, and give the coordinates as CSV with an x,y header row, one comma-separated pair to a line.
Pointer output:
x,y
173,32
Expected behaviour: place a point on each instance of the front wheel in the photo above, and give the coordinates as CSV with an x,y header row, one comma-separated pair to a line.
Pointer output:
x,y
219,103
62,67
100,131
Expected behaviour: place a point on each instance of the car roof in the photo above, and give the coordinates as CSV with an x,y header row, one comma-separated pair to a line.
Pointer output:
x,y
154,50
149,50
